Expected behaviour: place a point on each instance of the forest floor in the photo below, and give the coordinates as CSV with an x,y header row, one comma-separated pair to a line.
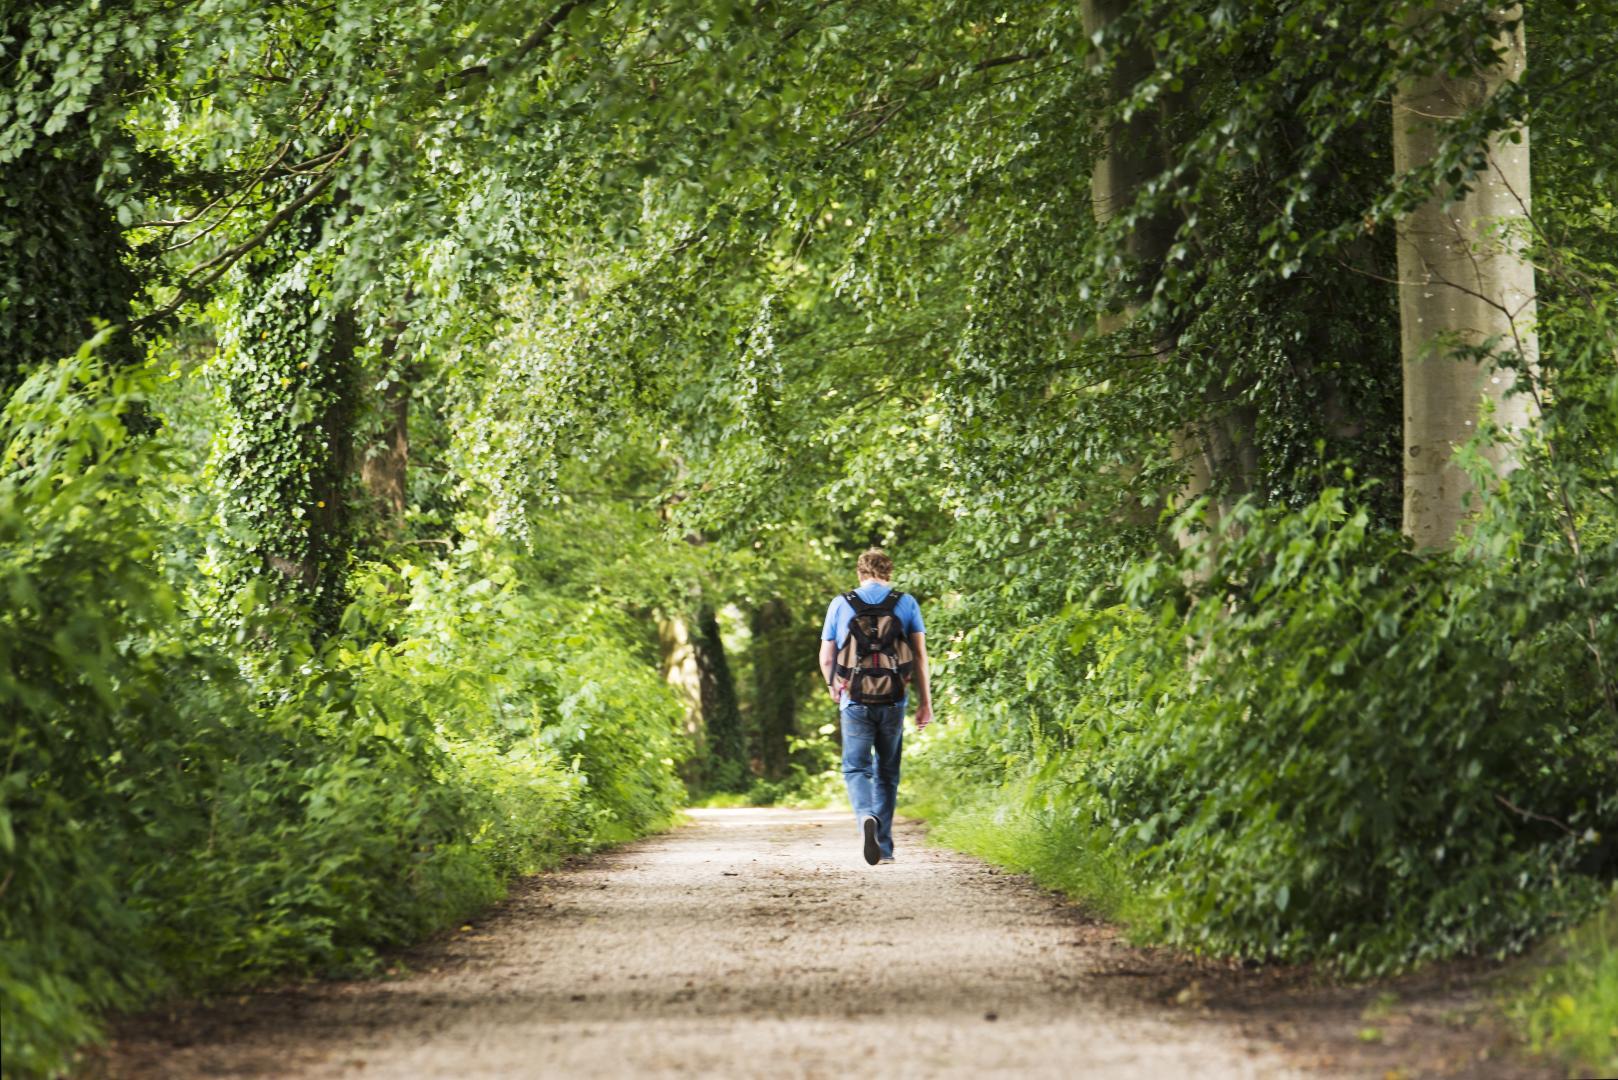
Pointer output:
x,y
756,942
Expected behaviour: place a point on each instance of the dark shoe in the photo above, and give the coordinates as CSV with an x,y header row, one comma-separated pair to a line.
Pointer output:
x,y
873,850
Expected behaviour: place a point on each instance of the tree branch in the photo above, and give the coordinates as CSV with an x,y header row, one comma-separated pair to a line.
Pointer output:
x,y
229,257
933,80
542,33
885,111
1527,814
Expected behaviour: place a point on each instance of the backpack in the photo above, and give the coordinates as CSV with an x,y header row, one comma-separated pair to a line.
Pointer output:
x,y
875,661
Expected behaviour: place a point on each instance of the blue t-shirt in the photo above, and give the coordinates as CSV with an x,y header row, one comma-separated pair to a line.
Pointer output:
x,y
840,613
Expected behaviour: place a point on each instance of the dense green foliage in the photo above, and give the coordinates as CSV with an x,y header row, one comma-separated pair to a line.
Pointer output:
x,y
1355,760
194,800
477,373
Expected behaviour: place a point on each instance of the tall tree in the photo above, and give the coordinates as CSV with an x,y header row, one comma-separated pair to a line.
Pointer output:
x,y
384,464
1132,149
286,460
1465,288
63,260
67,175
778,676
721,715
1216,448
682,674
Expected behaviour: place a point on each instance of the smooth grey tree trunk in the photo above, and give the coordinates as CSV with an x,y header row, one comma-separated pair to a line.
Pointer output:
x,y
1463,281
680,672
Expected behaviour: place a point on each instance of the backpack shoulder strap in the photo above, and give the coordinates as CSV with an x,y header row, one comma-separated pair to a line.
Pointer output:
x,y
883,606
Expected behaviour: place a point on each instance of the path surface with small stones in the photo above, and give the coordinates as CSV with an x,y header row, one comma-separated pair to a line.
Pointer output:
x,y
752,942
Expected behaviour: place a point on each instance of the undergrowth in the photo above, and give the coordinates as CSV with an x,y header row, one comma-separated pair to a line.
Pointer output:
x,y
813,781
1301,742
197,795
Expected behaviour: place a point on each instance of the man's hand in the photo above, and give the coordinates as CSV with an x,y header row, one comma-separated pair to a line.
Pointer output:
x,y
831,692
924,685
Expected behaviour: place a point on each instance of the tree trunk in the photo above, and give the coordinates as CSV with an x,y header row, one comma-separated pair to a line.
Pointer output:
x,y
287,457
64,261
1132,151
315,557
681,673
1224,440
1219,447
727,751
778,675
384,469
330,539
1463,280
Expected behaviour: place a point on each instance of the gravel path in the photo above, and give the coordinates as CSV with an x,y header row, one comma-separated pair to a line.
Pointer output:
x,y
758,943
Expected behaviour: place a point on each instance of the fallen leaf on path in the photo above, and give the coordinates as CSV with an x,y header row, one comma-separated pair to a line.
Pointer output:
x,y
1191,994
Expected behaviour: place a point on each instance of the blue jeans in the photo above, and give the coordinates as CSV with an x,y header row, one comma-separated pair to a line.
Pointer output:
x,y
873,738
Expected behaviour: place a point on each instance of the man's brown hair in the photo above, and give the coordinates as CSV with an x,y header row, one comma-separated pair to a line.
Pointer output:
x,y
876,564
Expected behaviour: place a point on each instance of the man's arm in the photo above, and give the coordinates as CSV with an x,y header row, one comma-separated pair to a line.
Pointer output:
x,y
924,688
828,659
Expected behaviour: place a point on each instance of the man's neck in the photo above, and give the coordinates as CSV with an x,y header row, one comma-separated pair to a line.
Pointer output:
x,y
864,581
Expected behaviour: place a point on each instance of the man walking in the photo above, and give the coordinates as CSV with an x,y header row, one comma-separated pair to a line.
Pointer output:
x,y
872,646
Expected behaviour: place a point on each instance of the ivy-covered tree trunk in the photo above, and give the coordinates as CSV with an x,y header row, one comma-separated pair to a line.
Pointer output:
x,y
287,459
721,716
1463,281
778,673
64,262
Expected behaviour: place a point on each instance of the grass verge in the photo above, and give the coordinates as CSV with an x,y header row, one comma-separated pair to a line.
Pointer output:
x,y
1009,827
1569,1005
1565,1005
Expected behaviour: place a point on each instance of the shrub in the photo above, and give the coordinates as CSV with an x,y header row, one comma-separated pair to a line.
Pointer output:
x,y
191,802
1309,743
